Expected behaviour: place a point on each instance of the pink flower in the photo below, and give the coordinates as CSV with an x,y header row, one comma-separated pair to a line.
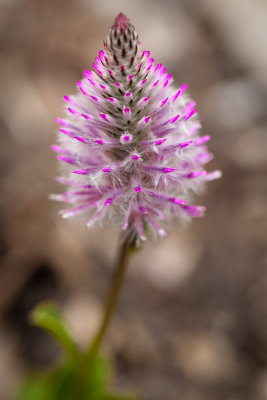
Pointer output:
x,y
131,140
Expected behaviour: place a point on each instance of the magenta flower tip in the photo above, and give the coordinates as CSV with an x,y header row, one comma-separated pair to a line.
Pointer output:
x,y
130,140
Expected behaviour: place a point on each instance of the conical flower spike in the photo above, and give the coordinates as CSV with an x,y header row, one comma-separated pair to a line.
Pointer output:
x,y
130,140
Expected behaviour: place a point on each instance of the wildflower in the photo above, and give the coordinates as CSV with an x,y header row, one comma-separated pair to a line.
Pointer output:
x,y
131,140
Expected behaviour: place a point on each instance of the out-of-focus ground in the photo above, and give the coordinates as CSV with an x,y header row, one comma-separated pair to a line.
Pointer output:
x,y
192,320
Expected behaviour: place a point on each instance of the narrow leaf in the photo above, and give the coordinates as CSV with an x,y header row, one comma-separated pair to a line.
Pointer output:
x,y
48,316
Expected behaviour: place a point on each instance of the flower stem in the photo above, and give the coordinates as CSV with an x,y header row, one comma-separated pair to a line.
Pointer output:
x,y
88,357
113,294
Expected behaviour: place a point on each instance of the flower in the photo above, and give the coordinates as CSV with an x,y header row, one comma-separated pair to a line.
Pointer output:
x,y
131,140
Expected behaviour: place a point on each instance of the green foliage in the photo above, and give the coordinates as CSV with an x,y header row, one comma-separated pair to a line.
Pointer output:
x,y
49,386
78,377
48,316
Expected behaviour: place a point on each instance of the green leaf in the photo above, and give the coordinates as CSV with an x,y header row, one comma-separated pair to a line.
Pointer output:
x,y
81,375
98,374
53,385
33,389
60,381
47,315
112,396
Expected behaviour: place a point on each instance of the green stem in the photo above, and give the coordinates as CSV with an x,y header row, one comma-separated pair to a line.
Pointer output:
x,y
113,294
112,297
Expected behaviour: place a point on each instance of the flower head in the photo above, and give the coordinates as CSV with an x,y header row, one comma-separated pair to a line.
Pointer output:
x,y
131,140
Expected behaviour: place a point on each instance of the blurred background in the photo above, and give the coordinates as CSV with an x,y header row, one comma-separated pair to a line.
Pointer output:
x,y
191,323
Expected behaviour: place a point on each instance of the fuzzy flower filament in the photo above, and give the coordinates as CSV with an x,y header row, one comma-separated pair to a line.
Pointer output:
x,y
131,140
